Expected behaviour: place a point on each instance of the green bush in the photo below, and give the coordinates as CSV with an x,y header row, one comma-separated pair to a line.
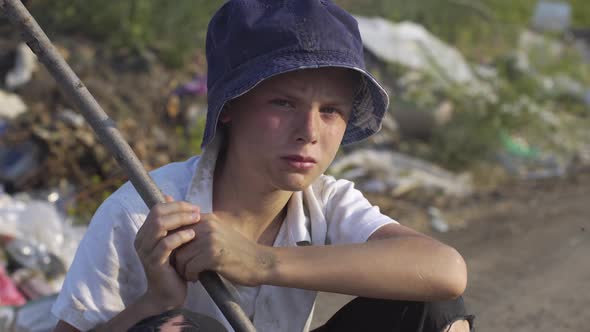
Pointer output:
x,y
172,29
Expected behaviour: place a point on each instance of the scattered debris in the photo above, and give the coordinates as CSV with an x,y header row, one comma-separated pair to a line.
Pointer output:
x,y
416,123
9,293
36,316
196,87
398,173
36,234
437,222
37,245
552,16
24,66
71,118
539,45
411,45
529,163
11,105
19,162
565,86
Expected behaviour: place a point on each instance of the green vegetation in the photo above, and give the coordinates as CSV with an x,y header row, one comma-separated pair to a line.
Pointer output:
x,y
480,28
171,29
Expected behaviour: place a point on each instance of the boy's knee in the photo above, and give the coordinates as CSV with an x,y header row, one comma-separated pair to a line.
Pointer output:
x,y
179,320
462,325
447,316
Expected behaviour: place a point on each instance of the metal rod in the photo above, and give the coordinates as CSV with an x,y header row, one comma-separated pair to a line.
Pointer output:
x,y
110,136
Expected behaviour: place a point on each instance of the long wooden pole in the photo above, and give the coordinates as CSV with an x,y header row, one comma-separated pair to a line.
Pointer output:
x,y
110,136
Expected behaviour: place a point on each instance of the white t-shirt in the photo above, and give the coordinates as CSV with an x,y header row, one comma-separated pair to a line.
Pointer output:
x,y
107,275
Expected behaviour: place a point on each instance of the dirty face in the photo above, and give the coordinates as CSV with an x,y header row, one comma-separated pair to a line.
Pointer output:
x,y
287,130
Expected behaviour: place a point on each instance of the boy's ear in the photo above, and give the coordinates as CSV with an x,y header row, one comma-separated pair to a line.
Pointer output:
x,y
225,116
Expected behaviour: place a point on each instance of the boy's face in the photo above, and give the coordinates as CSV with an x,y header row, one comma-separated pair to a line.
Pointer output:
x,y
287,130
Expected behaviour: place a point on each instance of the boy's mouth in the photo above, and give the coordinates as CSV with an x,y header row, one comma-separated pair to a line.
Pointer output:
x,y
299,158
300,163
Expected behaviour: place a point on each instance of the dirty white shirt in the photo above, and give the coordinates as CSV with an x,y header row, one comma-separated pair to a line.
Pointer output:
x,y
106,275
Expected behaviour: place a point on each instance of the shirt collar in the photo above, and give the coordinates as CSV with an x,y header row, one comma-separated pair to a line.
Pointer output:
x,y
200,190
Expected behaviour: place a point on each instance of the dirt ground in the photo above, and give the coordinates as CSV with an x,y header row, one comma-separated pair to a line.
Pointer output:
x,y
527,249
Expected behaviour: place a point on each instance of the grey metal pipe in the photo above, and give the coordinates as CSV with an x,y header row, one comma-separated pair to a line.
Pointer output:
x,y
110,136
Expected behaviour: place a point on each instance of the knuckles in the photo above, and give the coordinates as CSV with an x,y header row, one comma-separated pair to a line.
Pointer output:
x,y
159,225
157,210
207,250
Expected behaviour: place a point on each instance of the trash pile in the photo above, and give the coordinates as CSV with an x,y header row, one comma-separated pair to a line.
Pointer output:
x,y
522,114
37,245
398,174
527,110
44,143
54,172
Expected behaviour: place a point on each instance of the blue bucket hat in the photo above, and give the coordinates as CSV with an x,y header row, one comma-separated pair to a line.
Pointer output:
x,y
249,41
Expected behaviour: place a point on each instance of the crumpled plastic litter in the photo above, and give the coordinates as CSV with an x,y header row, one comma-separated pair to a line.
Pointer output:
x,y
437,222
197,86
34,256
34,285
7,317
552,16
11,105
18,162
9,294
36,316
24,67
411,45
39,233
398,173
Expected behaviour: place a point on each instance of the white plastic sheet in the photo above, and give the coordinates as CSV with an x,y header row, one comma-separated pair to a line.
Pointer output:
x,y
11,105
39,223
554,16
411,45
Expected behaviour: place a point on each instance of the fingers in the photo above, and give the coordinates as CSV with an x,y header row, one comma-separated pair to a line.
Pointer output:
x,y
158,228
171,207
162,219
194,258
202,253
161,253
197,265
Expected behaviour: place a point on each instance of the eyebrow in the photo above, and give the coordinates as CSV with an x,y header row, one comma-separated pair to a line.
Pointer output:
x,y
289,95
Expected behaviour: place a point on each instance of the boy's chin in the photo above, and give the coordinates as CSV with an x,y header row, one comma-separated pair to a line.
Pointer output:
x,y
296,182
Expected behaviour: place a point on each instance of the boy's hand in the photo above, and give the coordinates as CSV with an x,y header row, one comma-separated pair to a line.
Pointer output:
x,y
165,230
220,248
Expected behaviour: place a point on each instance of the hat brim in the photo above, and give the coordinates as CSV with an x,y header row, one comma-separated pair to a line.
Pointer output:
x,y
369,106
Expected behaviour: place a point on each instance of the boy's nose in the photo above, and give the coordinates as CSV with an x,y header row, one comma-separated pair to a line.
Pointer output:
x,y
307,129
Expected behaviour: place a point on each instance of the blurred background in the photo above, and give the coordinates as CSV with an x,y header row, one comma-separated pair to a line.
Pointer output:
x,y
486,145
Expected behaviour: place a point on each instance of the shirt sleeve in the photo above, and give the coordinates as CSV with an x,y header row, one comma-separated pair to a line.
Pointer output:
x,y
106,274
351,218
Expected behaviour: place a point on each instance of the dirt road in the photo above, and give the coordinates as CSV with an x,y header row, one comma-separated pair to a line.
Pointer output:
x,y
528,253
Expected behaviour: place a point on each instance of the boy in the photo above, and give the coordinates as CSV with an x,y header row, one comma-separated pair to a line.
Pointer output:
x,y
287,86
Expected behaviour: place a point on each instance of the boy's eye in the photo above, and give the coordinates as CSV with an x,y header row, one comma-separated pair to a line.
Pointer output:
x,y
281,102
330,110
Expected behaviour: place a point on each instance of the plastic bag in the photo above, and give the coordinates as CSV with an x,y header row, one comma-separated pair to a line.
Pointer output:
x,y
39,234
36,316
9,294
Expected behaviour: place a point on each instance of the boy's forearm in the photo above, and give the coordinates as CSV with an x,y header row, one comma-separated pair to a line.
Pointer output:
x,y
404,268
